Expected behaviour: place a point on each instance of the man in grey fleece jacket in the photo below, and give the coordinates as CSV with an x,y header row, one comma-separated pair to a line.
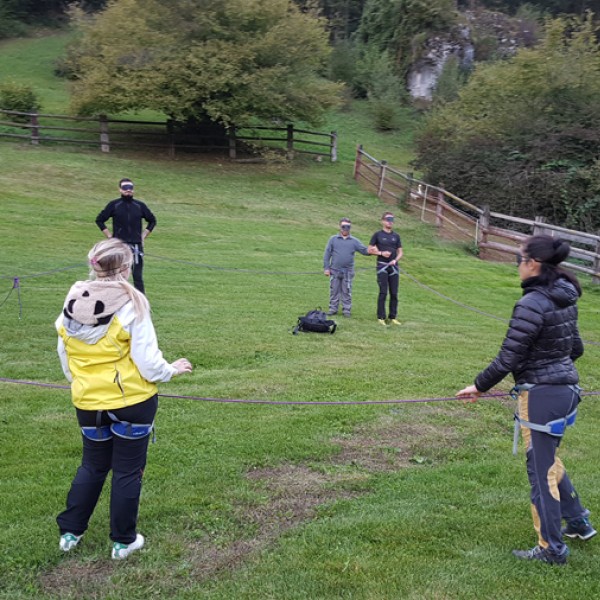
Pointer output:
x,y
338,265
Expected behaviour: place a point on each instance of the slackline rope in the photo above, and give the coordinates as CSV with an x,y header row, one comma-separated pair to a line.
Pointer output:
x,y
287,402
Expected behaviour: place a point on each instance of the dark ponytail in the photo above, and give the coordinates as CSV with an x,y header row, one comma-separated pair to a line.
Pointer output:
x,y
550,252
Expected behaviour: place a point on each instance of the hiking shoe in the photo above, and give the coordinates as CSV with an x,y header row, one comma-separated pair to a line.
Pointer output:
x,y
579,528
68,541
122,551
382,322
543,555
347,315
395,322
331,313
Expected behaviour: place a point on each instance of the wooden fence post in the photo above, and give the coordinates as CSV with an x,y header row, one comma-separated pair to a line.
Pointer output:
x,y
538,228
232,142
104,141
381,183
439,210
333,146
484,223
424,205
405,202
290,141
358,161
171,137
35,129
596,265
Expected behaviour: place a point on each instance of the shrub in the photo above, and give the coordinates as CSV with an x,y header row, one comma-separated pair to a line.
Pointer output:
x,y
452,78
17,96
385,113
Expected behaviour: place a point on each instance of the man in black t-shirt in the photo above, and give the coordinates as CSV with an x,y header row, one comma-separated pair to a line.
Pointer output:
x,y
387,246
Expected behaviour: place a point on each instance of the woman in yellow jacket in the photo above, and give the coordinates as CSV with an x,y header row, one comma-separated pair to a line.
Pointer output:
x,y
109,352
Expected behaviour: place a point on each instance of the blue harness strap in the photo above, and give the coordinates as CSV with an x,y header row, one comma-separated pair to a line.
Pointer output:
x,y
557,427
131,431
97,434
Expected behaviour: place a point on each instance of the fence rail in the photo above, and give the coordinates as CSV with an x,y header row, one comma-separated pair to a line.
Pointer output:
x,y
107,133
494,235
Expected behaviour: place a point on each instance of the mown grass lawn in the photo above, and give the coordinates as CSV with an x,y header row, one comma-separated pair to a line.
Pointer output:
x,y
257,501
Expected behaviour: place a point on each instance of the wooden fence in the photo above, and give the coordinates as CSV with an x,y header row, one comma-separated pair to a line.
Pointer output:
x,y
494,236
170,136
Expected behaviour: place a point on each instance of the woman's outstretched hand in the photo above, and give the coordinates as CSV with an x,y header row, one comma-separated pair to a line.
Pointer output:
x,y
183,365
470,393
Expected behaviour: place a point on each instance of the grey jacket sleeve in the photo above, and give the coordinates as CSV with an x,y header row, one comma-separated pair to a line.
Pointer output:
x,y
327,255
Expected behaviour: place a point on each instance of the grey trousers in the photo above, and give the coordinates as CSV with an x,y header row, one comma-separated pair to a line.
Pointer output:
x,y
340,289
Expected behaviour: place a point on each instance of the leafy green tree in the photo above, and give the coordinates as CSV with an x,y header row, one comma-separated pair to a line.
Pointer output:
x,y
228,61
451,80
10,25
553,7
396,26
386,91
523,135
343,16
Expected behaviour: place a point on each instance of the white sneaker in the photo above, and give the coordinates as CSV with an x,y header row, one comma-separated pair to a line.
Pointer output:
x,y
122,551
68,541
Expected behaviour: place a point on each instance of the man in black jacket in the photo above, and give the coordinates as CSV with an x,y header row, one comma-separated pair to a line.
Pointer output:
x,y
127,213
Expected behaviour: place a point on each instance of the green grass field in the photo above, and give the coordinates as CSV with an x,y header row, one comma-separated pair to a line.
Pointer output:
x,y
406,500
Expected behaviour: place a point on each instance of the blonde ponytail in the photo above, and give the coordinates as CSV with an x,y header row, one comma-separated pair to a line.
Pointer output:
x,y
109,261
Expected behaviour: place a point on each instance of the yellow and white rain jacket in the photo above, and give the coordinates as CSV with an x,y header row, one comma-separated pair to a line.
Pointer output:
x,y
112,364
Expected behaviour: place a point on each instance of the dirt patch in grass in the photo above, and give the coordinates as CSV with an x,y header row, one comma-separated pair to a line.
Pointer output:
x,y
290,496
76,579
295,492
286,496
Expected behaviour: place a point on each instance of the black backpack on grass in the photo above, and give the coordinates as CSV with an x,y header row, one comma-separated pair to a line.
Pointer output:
x,y
315,321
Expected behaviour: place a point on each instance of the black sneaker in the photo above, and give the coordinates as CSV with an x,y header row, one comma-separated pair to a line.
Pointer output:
x,y
579,528
543,555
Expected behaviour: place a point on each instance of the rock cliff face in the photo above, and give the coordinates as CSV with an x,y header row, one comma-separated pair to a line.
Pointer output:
x,y
424,73
484,35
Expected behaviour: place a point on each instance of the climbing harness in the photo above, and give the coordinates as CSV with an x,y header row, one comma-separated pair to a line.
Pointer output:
x,y
557,427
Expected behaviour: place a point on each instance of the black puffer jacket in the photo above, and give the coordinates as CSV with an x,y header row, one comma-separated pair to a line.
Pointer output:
x,y
542,339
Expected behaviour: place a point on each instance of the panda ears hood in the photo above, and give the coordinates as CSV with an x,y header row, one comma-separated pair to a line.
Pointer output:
x,y
95,302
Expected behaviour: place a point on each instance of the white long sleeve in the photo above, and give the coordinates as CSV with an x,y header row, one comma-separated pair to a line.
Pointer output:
x,y
144,346
62,353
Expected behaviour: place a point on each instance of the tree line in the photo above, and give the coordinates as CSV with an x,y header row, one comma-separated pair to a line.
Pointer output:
x,y
518,130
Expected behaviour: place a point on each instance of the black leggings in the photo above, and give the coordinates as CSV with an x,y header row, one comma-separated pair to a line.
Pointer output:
x,y
126,458
388,279
138,267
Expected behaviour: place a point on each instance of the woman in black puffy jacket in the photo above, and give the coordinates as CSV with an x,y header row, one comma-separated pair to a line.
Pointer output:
x,y
539,350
